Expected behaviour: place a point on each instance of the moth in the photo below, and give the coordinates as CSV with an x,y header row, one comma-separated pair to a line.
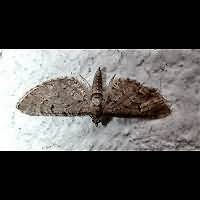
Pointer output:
x,y
72,97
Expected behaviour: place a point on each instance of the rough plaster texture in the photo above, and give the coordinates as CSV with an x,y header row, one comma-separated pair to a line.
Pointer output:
x,y
175,72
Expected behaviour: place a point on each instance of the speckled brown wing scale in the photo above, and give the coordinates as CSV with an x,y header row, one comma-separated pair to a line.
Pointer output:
x,y
128,98
60,97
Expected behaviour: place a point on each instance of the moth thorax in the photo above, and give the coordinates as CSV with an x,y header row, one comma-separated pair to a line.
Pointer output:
x,y
96,104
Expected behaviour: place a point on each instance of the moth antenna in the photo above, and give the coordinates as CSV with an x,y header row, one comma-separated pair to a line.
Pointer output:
x,y
85,81
112,80
108,89
149,75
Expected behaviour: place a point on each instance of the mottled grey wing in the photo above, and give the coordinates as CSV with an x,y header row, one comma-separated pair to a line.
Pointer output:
x,y
128,98
60,97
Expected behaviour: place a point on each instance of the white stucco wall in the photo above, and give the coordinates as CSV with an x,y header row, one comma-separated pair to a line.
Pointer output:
x,y
177,72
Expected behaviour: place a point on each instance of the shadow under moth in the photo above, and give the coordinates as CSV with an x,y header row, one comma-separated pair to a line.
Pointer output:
x,y
72,97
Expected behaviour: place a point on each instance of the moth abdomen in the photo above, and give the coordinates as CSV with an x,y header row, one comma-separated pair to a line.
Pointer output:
x,y
97,87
